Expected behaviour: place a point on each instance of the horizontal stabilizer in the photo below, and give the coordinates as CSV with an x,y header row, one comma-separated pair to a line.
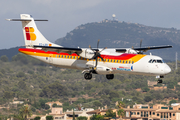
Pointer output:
x,y
25,20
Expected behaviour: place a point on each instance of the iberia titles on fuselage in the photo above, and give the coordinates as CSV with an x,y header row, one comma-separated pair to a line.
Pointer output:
x,y
91,60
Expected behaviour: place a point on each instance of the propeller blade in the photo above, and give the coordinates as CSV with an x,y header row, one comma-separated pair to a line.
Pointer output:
x,y
96,62
90,47
102,59
98,43
140,43
103,49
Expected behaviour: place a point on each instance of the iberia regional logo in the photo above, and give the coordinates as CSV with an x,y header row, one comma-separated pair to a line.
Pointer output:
x,y
30,33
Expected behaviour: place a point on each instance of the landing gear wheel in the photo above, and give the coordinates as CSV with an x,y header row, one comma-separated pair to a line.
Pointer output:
x,y
87,76
110,76
159,81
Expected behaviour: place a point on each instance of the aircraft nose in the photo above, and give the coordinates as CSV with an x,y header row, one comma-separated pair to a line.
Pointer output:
x,y
167,70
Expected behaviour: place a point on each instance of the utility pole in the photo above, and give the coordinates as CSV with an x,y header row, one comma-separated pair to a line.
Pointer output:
x,y
176,60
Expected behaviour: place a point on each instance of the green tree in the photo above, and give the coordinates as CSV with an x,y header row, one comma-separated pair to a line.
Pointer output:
x,y
147,98
22,85
81,118
121,105
4,58
110,113
172,101
25,112
49,117
20,74
18,117
121,113
113,94
37,118
97,103
46,107
54,105
73,115
96,117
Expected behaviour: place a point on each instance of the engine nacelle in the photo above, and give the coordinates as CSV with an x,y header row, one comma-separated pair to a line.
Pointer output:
x,y
131,51
87,53
103,70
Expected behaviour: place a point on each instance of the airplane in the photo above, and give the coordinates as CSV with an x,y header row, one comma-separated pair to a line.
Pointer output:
x,y
107,61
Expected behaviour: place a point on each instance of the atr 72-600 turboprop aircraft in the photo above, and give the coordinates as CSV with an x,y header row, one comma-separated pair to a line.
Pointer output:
x,y
91,60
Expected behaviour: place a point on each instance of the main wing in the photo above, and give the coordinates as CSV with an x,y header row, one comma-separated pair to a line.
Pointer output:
x,y
144,49
60,49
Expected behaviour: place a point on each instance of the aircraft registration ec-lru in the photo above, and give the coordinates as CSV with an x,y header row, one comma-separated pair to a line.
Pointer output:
x,y
91,60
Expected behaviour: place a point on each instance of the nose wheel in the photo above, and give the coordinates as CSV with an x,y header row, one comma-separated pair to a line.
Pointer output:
x,y
87,76
159,81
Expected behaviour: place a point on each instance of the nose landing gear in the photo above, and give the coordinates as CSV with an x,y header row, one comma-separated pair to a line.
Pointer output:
x,y
159,79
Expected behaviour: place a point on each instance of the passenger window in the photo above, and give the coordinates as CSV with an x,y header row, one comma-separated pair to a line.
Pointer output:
x,y
123,61
67,56
129,62
126,62
120,61
61,56
132,62
114,61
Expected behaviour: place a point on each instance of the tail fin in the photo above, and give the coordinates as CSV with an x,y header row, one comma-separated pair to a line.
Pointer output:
x,y
32,35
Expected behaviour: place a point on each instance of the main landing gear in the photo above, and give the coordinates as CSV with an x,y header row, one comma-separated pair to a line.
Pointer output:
x,y
159,81
110,76
88,76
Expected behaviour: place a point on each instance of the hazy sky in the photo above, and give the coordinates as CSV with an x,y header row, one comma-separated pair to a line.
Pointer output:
x,y
65,15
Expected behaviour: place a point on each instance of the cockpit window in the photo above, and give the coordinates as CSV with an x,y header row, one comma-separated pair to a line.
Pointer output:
x,y
159,61
155,61
150,61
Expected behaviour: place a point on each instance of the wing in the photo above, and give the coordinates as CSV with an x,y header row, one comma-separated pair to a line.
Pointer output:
x,y
60,49
152,48
144,49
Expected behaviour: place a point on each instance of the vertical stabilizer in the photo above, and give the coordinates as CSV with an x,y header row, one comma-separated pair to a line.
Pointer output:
x,y
32,35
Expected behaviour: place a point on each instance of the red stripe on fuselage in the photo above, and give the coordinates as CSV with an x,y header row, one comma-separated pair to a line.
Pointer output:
x,y
124,56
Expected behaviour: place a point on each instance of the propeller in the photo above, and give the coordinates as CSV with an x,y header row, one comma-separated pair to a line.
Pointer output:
x,y
140,52
97,53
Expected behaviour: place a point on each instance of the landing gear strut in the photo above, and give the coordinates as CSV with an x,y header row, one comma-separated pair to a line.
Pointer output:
x,y
87,76
110,76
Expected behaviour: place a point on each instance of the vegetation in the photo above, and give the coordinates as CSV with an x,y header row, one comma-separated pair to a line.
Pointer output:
x,y
35,83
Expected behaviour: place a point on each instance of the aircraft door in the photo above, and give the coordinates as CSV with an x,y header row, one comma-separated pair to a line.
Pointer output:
x,y
50,58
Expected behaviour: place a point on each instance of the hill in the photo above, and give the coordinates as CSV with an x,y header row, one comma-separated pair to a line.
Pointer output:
x,y
35,83
122,34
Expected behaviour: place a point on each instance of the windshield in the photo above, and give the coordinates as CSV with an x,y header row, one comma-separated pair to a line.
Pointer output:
x,y
155,61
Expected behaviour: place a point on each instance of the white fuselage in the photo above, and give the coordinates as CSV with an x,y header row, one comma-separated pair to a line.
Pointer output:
x,y
114,62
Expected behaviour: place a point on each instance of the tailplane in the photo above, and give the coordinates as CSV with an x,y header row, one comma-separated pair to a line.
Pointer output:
x,y
32,35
